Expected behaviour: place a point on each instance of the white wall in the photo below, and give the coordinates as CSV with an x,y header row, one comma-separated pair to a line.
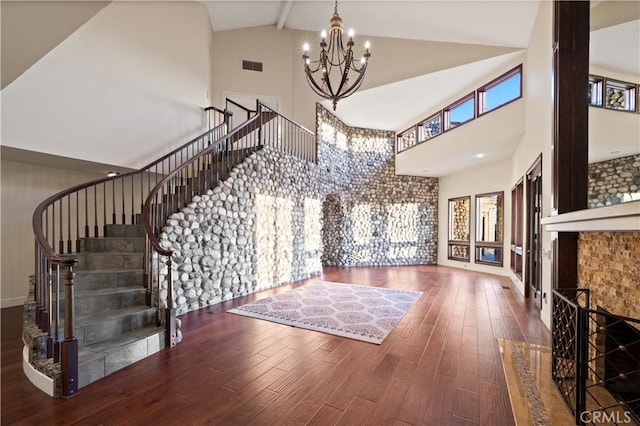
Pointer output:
x,y
136,75
24,186
538,136
611,130
481,180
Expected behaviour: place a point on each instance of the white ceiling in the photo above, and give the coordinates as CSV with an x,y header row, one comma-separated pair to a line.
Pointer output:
x,y
499,23
617,47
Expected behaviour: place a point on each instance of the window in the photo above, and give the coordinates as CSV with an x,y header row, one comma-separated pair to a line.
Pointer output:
x,y
595,90
460,112
459,231
406,139
430,127
501,91
620,95
489,226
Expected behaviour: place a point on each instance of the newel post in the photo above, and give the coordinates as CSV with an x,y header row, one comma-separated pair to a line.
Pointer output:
x,y
170,312
69,348
260,133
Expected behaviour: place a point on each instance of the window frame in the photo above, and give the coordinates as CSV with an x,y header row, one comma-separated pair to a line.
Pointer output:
x,y
481,96
420,127
451,243
497,245
628,86
446,111
599,80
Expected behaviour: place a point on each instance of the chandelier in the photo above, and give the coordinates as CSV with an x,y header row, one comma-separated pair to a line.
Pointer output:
x,y
333,56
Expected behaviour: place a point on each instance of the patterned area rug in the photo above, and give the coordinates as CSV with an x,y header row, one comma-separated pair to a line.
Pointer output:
x,y
355,311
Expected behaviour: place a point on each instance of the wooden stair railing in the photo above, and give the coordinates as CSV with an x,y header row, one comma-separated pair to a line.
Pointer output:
x,y
81,212
265,127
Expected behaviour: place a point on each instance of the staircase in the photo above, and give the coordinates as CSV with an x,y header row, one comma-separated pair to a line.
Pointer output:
x,y
97,303
115,326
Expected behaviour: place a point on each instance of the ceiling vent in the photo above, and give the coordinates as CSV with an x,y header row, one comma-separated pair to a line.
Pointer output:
x,y
251,65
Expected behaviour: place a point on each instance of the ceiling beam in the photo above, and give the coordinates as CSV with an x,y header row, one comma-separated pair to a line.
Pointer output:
x,y
285,14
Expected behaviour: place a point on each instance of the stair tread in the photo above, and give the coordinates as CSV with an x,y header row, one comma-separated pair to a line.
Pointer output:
x,y
79,293
112,237
107,270
106,291
94,350
110,253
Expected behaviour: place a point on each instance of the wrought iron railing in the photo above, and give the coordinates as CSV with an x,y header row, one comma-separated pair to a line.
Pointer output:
x,y
596,360
176,190
62,220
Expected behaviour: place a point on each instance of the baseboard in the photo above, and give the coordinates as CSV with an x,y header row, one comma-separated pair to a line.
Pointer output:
x,y
39,380
11,302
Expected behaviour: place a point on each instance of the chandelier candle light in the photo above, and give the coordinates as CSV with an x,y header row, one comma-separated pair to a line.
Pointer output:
x,y
333,55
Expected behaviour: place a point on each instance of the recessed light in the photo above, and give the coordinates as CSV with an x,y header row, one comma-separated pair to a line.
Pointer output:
x,y
113,174
480,155
615,152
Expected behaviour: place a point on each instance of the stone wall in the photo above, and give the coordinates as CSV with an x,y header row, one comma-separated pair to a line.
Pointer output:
x,y
258,229
372,216
614,181
609,265
277,218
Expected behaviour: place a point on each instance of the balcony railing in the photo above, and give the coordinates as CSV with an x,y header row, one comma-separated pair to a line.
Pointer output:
x,y
595,360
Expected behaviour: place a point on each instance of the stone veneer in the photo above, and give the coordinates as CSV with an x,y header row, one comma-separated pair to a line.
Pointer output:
x,y
277,218
612,180
609,265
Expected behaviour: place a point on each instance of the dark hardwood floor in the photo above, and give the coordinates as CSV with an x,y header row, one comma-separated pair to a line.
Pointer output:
x,y
441,365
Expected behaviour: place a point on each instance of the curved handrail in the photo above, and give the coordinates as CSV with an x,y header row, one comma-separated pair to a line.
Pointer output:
x,y
37,215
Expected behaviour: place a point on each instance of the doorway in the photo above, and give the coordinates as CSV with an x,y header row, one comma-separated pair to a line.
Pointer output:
x,y
533,260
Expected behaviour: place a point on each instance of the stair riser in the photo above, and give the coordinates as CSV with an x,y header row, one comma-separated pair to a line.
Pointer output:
x,y
97,368
112,244
92,261
124,231
111,329
108,302
108,279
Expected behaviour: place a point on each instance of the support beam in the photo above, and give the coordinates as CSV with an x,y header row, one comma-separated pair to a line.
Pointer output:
x,y
285,14
570,122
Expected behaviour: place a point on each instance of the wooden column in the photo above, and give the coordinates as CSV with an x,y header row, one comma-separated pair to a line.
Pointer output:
x,y
570,144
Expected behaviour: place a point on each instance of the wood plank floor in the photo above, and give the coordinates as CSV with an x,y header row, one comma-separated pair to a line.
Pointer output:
x,y
441,365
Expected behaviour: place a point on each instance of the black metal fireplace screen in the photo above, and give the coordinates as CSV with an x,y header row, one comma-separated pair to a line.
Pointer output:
x,y
595,360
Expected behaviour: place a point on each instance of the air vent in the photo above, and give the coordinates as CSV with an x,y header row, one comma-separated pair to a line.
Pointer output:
x,y
251,65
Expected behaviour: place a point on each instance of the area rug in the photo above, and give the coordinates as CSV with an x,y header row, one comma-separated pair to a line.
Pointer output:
x,y
354,311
